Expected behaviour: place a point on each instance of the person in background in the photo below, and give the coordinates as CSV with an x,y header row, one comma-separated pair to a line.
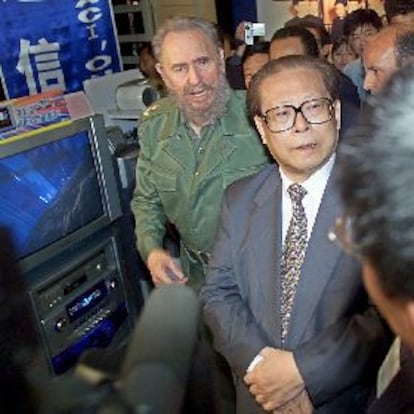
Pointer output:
x,y
342,53
287,307
388,51
293,40
255,56
317,28
337,29
233,61
18,342
359,27
356,4
302,8
399,12
377,185
146,64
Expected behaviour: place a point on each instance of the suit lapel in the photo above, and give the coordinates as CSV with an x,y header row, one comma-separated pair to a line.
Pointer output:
x,y
264,241
319,264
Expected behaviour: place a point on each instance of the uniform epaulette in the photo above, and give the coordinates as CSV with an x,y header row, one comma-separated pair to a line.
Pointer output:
x,y
157,108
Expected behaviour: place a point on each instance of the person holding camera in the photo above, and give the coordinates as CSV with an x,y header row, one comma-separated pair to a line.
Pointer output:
x,y
243,44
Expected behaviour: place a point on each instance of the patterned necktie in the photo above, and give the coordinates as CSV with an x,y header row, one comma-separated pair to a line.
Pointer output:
x,y
293,254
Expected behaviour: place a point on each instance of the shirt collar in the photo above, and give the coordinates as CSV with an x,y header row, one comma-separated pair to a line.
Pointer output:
x,y
316,181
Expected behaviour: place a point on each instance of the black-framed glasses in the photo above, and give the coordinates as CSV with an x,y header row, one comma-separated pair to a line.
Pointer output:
x,y
282,118
342,234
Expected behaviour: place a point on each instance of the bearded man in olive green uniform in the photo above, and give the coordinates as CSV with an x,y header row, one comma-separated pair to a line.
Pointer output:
x,y
193,144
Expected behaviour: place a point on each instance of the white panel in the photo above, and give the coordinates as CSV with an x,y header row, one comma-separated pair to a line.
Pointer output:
x,y
274,14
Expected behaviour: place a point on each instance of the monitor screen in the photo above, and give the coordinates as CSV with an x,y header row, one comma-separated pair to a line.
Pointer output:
x,y
49,191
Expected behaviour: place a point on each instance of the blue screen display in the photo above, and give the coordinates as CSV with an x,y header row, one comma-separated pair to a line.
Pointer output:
x,y
48,192
86,301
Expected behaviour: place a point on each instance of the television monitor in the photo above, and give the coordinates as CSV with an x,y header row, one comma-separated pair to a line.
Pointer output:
x,y
57,187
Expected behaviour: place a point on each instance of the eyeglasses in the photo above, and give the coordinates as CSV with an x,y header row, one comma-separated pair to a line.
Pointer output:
x,y
282,118
341,233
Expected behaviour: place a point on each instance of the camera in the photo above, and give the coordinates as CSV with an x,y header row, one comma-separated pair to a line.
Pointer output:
x,y
252,30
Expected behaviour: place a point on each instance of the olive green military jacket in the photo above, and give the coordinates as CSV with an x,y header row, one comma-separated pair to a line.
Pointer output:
x,y
184,182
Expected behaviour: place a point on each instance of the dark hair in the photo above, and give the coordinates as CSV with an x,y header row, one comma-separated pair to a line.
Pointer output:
x,y
404,48
396,7
256,48
324,34
377,185
311,22
307,39
338,43
361,17
327,71
146,46
18,341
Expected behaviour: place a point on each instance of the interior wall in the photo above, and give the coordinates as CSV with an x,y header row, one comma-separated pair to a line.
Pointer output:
x,y
201,8
274,14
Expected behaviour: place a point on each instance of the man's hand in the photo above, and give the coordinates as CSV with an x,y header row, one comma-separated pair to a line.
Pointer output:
x,y
239,37
239,33
163,268
275,380
299,405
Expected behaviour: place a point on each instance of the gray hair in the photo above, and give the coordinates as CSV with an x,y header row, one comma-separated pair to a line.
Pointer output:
x,y
181,24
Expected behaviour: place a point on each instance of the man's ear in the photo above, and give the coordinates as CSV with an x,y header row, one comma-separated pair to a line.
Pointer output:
x,y
221,54
258,121
337,107
158,68
164,77
410,313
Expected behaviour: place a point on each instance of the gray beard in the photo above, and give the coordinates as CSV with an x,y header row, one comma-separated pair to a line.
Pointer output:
x,y
214,111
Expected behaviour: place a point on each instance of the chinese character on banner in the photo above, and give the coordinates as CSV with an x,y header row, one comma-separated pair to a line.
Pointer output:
x,y
46,71
55,44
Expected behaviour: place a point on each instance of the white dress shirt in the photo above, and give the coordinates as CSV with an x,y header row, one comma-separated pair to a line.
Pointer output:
x,y
315,186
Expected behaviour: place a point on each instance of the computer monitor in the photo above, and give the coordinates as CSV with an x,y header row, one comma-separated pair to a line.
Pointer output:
x,y
57,187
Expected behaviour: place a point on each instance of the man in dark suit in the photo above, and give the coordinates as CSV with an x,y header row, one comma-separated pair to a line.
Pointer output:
x,y
285,305
379,228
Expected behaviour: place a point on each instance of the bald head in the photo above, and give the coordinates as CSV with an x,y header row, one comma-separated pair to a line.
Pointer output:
x,y
381,56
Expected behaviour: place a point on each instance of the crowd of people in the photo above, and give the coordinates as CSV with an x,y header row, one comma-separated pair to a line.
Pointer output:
x,y
293,205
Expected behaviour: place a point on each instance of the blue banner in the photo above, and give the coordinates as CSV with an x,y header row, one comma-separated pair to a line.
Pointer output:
x,y
55,44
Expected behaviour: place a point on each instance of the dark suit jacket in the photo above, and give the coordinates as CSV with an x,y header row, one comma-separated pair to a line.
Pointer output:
x,y
336,336
398,397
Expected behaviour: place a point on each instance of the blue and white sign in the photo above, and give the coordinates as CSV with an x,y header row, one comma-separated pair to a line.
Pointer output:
x,y
49,44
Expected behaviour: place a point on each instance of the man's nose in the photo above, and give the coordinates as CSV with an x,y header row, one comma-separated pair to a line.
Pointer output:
x,y
368,82
301,124
193,75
